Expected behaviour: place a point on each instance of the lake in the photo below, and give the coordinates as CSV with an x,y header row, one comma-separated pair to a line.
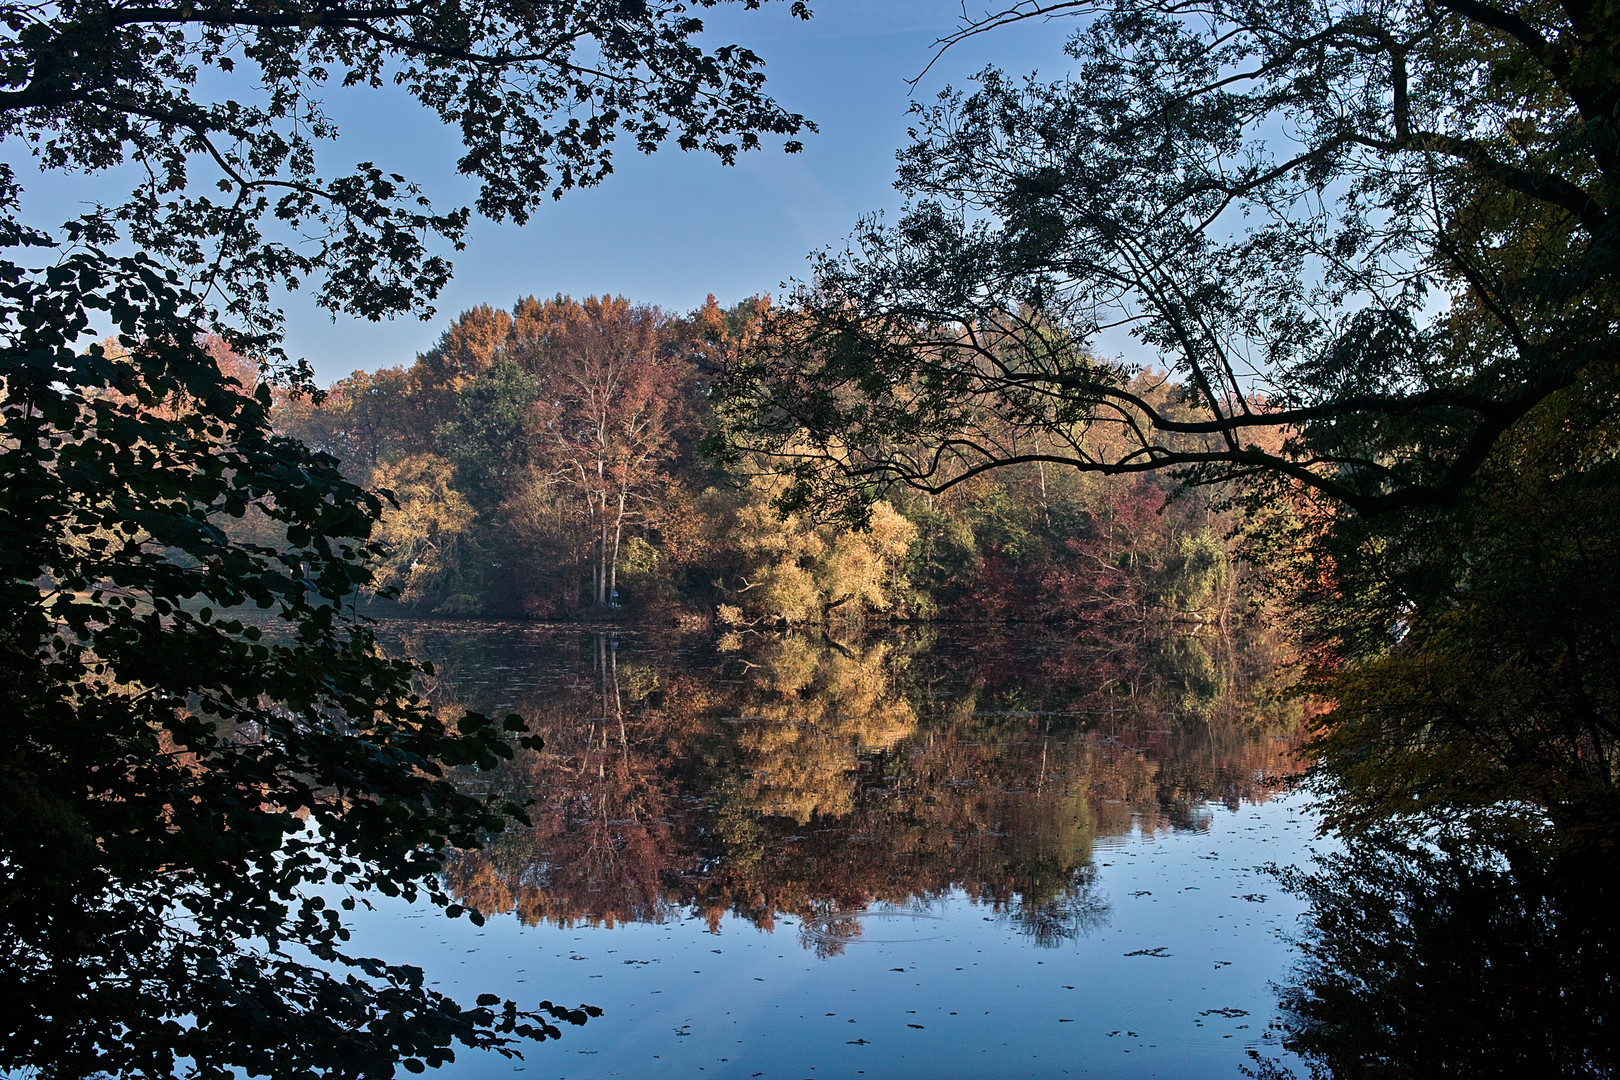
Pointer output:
x,y
947,855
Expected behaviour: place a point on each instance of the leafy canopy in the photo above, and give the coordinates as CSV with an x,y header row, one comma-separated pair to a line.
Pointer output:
x,y
218,108
1366,239
205,758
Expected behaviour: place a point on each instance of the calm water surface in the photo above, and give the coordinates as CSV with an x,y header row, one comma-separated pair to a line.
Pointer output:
x,y
944,858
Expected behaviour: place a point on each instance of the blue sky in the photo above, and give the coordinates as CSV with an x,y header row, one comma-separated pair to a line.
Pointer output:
x,y
671,228
666,229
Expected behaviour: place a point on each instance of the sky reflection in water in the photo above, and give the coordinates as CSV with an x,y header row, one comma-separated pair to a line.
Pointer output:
x,y
1011,883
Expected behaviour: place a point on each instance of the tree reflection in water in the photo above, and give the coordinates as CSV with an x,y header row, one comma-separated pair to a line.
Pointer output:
x,y
840,783
1455,957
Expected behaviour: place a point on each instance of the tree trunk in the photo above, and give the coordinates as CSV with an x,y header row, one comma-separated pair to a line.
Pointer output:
x,y
601,560
613,563
1046,518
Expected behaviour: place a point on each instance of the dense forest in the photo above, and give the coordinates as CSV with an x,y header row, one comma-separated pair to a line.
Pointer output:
x,y
552,461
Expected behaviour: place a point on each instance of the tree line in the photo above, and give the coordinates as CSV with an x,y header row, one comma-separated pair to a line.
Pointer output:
x,y
557,460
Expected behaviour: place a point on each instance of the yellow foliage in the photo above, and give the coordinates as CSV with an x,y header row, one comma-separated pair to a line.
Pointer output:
x,y
798,571
426,530
820,709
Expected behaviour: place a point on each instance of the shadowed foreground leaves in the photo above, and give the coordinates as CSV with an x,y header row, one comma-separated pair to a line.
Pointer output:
x,y
206,759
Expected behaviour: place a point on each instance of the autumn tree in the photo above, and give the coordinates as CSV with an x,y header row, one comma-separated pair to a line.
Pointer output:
x,y
427,533
581,434
1425,258
612,401
795,571
572,429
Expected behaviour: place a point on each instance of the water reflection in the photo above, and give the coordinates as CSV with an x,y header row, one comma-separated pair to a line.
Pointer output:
x,y
1455,956
847,784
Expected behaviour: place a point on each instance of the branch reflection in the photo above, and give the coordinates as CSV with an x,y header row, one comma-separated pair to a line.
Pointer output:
x,y
1455,955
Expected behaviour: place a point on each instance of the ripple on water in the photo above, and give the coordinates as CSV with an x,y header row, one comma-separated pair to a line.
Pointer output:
x,y
893,926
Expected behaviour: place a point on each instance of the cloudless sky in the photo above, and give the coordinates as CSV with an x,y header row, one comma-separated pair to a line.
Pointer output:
x,y
666,229
671,228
